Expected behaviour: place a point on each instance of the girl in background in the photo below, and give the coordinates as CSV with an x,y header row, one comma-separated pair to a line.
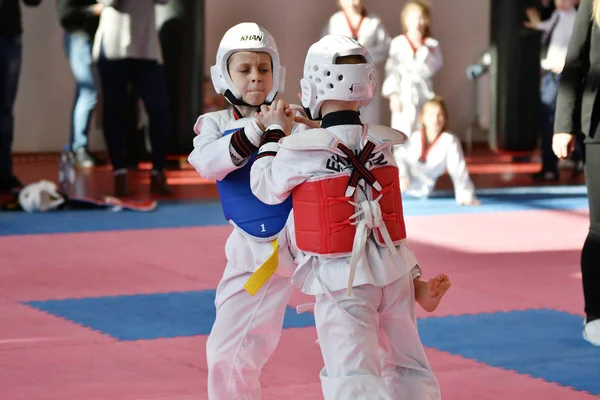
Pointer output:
x,y
414,59
431,151
354,21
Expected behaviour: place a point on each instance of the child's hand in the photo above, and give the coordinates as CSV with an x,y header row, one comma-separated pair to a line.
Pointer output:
x,y
278,113
303,118
288,110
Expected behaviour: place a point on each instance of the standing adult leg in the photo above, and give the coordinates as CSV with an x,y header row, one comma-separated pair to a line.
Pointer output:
x,y
10,68
152,87
114,77
78,47
590,255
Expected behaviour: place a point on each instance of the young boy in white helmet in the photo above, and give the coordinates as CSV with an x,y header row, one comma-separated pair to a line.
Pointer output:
x,y
349,224
252,296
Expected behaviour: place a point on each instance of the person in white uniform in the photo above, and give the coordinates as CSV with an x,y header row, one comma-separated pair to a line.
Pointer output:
x,y
429,153
349,228
252,295
413,61
355,21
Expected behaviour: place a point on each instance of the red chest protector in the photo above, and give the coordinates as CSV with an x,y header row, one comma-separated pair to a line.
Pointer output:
x,y
325,207
323,213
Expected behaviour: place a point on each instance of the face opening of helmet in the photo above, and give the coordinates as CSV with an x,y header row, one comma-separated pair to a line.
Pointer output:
x,y
351,59
251,72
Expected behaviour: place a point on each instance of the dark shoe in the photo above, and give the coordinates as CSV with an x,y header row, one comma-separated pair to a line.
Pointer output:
x,y
158,183
10,184
546,176
121,185
83,159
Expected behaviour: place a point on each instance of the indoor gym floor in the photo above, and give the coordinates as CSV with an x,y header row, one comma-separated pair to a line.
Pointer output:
x,y
118,305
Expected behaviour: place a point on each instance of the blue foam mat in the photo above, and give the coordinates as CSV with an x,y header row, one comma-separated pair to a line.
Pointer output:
x,y
542,343
150,316
191,214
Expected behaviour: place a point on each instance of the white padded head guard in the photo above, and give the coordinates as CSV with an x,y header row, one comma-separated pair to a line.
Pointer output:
x,y
246,36
40,196
326,80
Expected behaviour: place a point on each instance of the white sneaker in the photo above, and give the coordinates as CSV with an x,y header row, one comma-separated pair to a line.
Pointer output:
x,y
591,332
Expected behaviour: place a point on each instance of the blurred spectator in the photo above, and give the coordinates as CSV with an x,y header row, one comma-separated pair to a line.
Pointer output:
x,y
79,19
127,49
11,28
557,32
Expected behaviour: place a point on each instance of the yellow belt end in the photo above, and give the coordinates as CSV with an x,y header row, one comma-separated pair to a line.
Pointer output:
x,y
264,272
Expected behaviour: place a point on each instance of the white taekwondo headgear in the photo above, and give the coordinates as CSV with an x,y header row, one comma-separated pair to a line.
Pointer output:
x,y
246,36
326,80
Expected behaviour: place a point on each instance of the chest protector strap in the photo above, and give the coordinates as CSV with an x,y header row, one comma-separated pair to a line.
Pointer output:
x,y
359,171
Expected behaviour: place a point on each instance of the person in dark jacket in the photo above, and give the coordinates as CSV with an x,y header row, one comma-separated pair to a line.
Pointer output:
x,y
578,113
11,28
79,19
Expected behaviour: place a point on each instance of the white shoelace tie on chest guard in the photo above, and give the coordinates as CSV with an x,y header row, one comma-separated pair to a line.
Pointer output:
x,y
367,218
368,215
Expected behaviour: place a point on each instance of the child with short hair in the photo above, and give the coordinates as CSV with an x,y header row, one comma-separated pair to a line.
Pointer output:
x,y
252,296
348,224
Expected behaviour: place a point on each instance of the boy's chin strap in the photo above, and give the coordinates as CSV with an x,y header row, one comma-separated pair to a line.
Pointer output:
x,y
238,114
239,102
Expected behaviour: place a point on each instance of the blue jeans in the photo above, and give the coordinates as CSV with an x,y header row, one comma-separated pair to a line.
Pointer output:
x,y
78,47
148,78
10,68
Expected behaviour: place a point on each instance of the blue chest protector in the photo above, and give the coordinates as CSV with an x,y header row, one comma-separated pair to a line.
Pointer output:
x,y
247,212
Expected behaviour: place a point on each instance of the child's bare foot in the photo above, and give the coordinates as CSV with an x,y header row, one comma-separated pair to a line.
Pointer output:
x,y
429,294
